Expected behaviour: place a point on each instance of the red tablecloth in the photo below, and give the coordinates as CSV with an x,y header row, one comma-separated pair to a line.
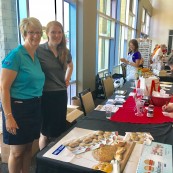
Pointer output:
x,y
127,114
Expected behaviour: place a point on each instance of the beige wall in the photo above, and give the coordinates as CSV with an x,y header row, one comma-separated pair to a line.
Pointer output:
x,y
161,21
86,44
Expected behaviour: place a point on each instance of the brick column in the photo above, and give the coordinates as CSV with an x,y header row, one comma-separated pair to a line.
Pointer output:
x,y
8,27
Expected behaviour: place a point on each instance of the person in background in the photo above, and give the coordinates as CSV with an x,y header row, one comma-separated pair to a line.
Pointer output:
x,y
171,53
154,51
170,62
156,47
133,60
56,62
159,53
168,108
22,83
157,58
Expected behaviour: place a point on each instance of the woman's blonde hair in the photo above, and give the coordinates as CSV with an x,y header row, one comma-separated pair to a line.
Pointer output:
x,y
26,23
62,49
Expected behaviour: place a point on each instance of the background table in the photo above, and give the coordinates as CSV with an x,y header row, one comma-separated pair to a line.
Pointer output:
x,y
96,121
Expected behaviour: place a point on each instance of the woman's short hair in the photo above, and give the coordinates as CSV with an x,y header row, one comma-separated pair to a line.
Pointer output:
x,y
135,43
170,60
26,23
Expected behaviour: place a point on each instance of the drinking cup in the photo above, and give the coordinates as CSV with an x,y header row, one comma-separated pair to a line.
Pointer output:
x,y
108,110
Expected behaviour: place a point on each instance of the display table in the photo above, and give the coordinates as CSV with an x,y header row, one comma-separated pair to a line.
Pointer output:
x,y
96,120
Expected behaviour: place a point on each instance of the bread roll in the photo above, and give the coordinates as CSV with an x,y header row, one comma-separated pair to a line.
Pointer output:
x,y
118,157
104,166
120,150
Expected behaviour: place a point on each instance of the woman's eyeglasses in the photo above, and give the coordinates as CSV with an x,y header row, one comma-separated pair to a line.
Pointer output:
x,y
34,33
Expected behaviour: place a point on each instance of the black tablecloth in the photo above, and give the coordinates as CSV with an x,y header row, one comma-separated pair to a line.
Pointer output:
x,y
96,120
166,78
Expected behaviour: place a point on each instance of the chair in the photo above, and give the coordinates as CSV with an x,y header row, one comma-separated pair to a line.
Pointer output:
x,y
108,86
87,101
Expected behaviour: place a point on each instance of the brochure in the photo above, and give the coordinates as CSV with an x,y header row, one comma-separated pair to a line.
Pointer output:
x,y
156,158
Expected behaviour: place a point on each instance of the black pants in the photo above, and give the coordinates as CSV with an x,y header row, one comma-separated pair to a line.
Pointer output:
x,y
54,109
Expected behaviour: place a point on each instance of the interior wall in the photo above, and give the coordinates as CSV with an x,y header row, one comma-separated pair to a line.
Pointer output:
x,y
161,21
86,44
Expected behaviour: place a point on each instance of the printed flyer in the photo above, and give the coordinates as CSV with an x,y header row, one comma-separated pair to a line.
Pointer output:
x,y
156,158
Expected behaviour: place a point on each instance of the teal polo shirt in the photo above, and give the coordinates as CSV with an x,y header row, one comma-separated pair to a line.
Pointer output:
x,y
30,78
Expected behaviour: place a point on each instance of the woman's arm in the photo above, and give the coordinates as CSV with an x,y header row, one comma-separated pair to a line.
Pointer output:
x,y
135,64
68,73
7,78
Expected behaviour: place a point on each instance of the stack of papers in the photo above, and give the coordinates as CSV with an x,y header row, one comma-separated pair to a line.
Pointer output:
x,y
103,108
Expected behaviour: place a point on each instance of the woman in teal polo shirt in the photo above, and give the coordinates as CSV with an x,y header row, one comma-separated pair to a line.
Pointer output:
x,y
22,82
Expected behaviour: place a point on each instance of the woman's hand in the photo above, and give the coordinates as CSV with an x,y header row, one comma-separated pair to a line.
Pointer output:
x,y
67,82
124,60
167,108
11,125
167,114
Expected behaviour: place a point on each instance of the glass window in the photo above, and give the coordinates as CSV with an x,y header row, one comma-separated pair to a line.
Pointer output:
x,y
143,15
130,23
45,9
113,9
106,27
147,24
59,11
66,23
123,11
103,52
129,37
108,7
102,6
47,6
127,12
105,7
106,31
131,6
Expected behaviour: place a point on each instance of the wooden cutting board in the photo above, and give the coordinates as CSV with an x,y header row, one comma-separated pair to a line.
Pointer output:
x,y
129,148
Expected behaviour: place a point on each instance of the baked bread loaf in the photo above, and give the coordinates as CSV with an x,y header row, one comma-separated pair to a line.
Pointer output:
x,y
104,153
